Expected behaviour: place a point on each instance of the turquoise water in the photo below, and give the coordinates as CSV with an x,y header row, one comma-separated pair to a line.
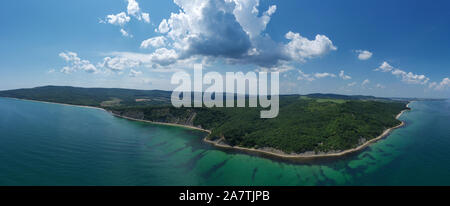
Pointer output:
x,y
50,144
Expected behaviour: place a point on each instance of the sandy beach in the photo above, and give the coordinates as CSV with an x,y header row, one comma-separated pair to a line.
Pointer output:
x,y
73,105
266,151
162,123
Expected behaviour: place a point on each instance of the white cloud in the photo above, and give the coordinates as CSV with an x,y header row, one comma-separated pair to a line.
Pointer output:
x,y
300,48
304,76
323,75
432,85
380,86
134,73
160,58
247,14
271,10
411,78
351,84
163,27
312,77
281,69
385,67
125,33
119,19
118,64
155,42
122,18
76,63
343,76
67,70
133,7
365,82
163,56
233,30
134,10
442,85
207,28
364,54
407,77
146,17
69,56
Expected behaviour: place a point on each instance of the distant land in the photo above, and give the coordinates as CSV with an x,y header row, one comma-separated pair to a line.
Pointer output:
x,y
307,125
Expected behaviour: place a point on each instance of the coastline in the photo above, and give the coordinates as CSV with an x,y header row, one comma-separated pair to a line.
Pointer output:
x,y
265,151
308,155
73,105
162,123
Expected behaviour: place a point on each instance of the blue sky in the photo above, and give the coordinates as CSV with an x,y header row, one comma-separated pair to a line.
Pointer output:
x,y
384,48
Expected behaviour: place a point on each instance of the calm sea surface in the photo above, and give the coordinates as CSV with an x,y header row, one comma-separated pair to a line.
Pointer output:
x,y
51,144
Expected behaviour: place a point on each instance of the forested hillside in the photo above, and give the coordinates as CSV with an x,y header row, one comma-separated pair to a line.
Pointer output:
x,y
305,123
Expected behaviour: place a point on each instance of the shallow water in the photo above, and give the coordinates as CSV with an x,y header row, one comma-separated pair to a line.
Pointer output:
x,y
51,144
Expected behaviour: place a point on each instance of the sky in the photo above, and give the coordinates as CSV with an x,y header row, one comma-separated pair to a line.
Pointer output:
x,y
383,48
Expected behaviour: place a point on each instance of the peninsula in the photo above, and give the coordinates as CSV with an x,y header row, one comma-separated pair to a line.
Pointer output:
x,y
308,126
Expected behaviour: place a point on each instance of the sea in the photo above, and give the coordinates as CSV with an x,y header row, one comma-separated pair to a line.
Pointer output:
x,y
54,144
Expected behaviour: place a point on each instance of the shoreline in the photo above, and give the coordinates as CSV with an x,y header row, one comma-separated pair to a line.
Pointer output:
x,y
73,105
266,151
116,115
162,123
279,153
307,155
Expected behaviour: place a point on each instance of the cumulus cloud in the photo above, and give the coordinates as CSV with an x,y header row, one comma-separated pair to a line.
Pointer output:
x,y
134,10
407,77
125,33
163,27
365,82
247,14
312,77
155,42
300,48
304,76
352,84
445,83
343,76
212,31
384,67
271,10
323,75
134,73
364,54
233,30
133,7
76,63
123,60
410,77
146,17
119,19
118,64
163,56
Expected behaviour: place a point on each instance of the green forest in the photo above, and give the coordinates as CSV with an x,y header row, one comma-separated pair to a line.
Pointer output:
x,y
317,122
